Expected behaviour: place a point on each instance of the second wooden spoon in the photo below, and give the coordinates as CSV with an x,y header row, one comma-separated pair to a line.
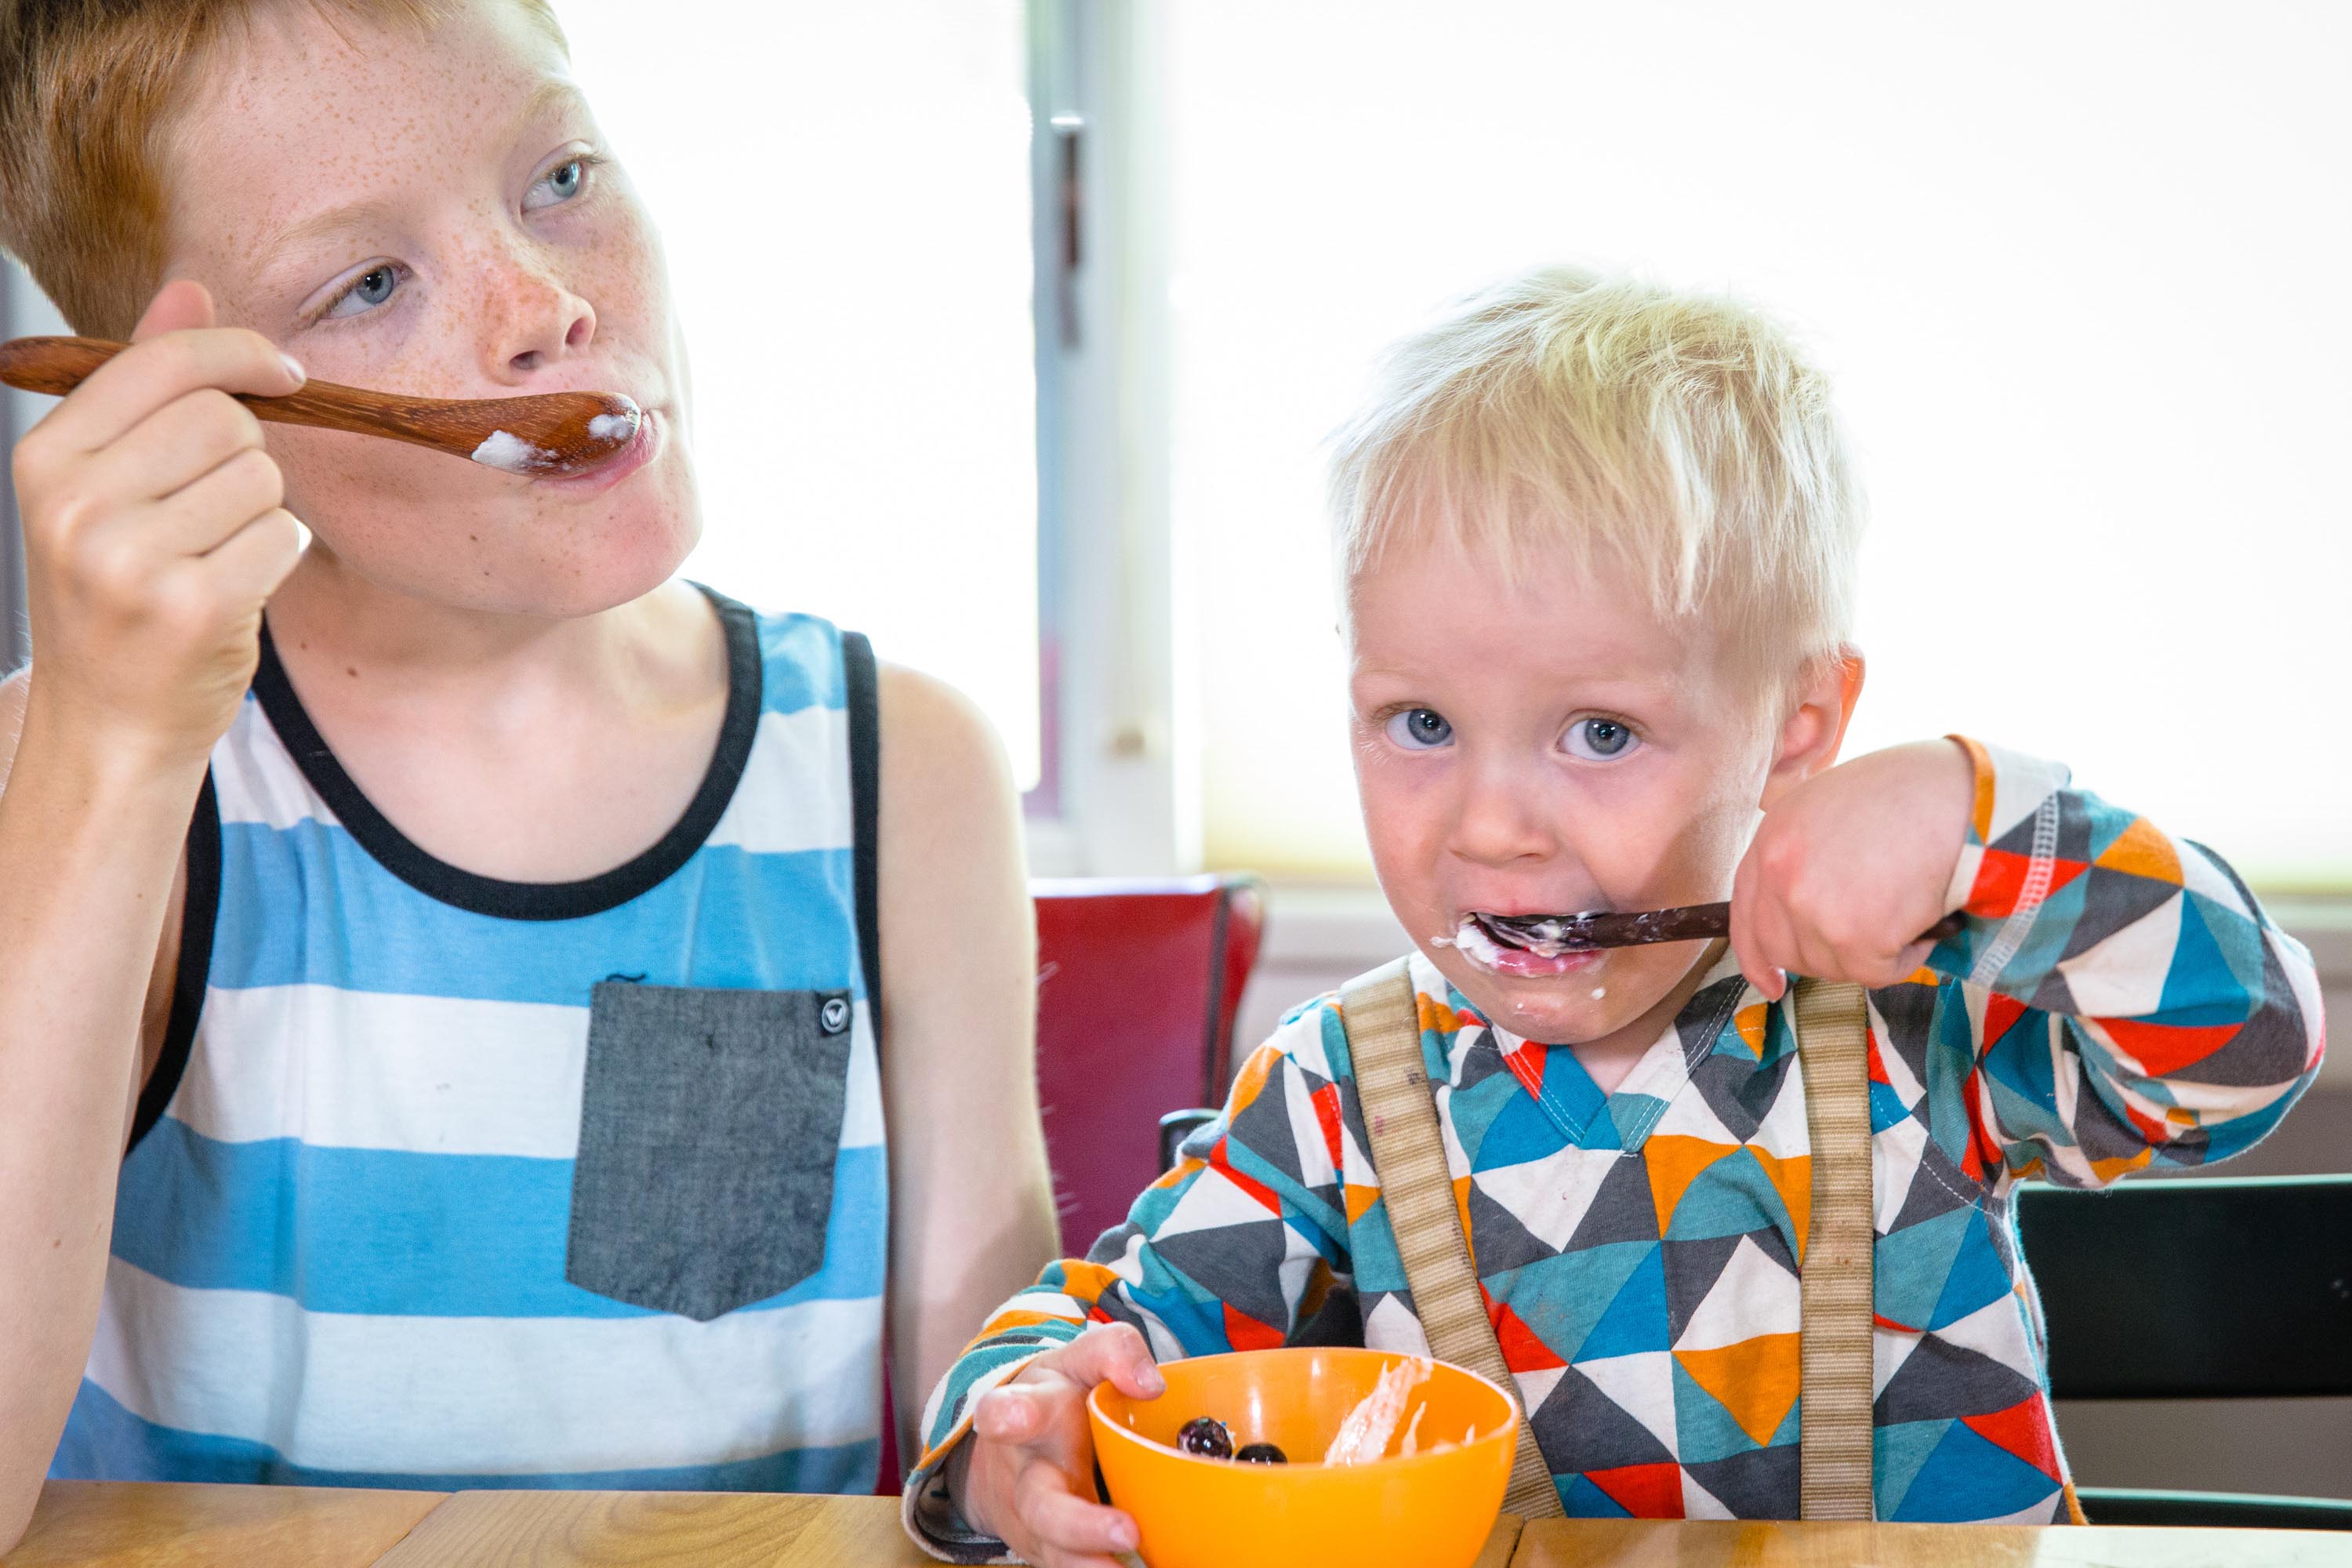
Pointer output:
x,y
546,435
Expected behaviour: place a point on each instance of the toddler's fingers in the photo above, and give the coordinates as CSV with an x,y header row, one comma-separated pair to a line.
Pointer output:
x,y
1116,1354
1058,1520
1006,1415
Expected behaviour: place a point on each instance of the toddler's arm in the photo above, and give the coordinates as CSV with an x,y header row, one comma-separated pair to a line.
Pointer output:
x,y
152,537
2125,999
1239,1248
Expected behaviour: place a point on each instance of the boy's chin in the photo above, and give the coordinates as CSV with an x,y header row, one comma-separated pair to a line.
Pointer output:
x,y
1571,1009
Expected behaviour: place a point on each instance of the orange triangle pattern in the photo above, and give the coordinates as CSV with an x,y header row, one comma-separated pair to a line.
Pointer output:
x,y
2023,1429
1751,1023
1674,1162
1252,1077
1360,1201
2165,1048
1257,1191
1462,1207
1756,1380
2000,1013
1435,1015
1792,1178
2142,851
2000,879
1244,1333
1523,1348
1646,1491
1327,1116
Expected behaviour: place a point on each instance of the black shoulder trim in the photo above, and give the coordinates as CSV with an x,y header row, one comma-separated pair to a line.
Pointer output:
x,y
864,700
198,915
531,900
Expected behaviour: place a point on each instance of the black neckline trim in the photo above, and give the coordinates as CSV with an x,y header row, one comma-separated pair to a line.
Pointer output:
x,y
198,916
464,890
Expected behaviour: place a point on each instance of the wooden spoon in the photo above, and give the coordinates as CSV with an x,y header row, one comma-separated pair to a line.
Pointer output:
x,y
546,435
1696,923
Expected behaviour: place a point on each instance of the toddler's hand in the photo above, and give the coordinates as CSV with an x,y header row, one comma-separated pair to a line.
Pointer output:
x,y
153,535
1026,1475
1850,865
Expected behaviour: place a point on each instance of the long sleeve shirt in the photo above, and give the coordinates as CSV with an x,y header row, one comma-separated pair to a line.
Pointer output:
x,y
2117,999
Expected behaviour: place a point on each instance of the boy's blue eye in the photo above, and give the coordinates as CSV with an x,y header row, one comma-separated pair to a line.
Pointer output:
x,y
560,183
372,289
1599,739
1420,729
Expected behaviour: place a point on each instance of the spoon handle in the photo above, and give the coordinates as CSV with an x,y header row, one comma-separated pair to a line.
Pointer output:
x,y
55,366
1692,923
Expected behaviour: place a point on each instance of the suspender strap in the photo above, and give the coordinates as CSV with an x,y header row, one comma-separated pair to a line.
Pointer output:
x,y
1835,1349
1382,1017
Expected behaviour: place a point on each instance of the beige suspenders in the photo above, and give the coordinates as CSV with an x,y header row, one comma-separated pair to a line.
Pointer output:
x,y
1383,1022
1834,1277
1382,1019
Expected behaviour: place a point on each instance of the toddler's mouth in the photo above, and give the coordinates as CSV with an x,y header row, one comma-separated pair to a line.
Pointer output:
x,y
1521,944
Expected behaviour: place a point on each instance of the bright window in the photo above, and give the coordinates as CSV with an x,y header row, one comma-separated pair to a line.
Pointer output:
x,y
844,195
2078,272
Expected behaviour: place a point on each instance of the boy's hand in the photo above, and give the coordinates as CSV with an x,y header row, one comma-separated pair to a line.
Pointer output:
x,y
153,535
1850,865
1026,1475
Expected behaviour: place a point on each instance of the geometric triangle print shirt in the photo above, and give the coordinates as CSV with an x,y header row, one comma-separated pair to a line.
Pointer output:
x,y
2116,999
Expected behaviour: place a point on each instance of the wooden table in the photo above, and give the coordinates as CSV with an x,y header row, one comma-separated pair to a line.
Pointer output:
x,y
116,1525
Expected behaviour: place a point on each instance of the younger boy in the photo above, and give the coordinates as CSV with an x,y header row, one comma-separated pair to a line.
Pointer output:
x,y
1597,544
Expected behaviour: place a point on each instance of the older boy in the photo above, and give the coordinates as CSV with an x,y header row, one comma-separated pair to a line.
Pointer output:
x,y
511,1091
1597,543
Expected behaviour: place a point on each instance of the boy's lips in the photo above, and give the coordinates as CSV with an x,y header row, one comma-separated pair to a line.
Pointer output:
x,y
1499,951
627,459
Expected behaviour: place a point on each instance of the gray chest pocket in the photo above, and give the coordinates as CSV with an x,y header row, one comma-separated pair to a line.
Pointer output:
x,y
708,1128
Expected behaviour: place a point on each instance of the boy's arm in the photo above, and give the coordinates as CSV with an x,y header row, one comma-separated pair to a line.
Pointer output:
x,y
1240,1246
2126,998
152,537
971,1202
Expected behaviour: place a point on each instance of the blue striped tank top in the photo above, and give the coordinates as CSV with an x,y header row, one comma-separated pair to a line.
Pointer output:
x,y
447,1182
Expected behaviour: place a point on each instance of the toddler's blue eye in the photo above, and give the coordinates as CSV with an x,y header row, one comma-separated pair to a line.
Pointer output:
x,y
1599,739
1420,729
372,288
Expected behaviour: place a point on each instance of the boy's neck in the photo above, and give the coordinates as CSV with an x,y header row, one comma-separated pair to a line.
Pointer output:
x,y
1609,1059
331,613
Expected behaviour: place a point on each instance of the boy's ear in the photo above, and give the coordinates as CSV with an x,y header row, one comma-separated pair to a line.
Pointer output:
x,y
1816,727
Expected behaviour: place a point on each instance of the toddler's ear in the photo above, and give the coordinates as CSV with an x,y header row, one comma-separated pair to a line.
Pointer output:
x,y
1815,727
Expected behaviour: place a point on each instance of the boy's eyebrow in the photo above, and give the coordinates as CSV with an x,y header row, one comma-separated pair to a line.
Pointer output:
x,y
549,96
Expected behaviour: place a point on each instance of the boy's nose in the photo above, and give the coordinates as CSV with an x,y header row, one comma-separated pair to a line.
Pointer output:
x,y
1501,820
541,321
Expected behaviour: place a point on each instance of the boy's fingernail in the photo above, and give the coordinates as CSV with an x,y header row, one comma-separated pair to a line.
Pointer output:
x,y
1152,1383
1123,1535
294,368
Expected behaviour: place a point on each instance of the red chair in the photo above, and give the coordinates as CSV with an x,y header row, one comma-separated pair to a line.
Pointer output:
x,y
1138,984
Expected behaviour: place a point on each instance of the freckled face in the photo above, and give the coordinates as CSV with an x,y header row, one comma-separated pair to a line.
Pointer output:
x,y
432,211
1550,748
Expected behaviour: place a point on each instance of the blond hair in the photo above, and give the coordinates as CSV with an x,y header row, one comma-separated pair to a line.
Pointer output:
x,y
1682,436
88,92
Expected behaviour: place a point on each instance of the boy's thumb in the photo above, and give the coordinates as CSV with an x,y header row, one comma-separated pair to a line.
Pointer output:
x,y
177,306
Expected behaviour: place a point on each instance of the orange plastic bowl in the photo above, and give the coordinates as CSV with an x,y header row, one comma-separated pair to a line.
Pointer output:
x,y
1433,1511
